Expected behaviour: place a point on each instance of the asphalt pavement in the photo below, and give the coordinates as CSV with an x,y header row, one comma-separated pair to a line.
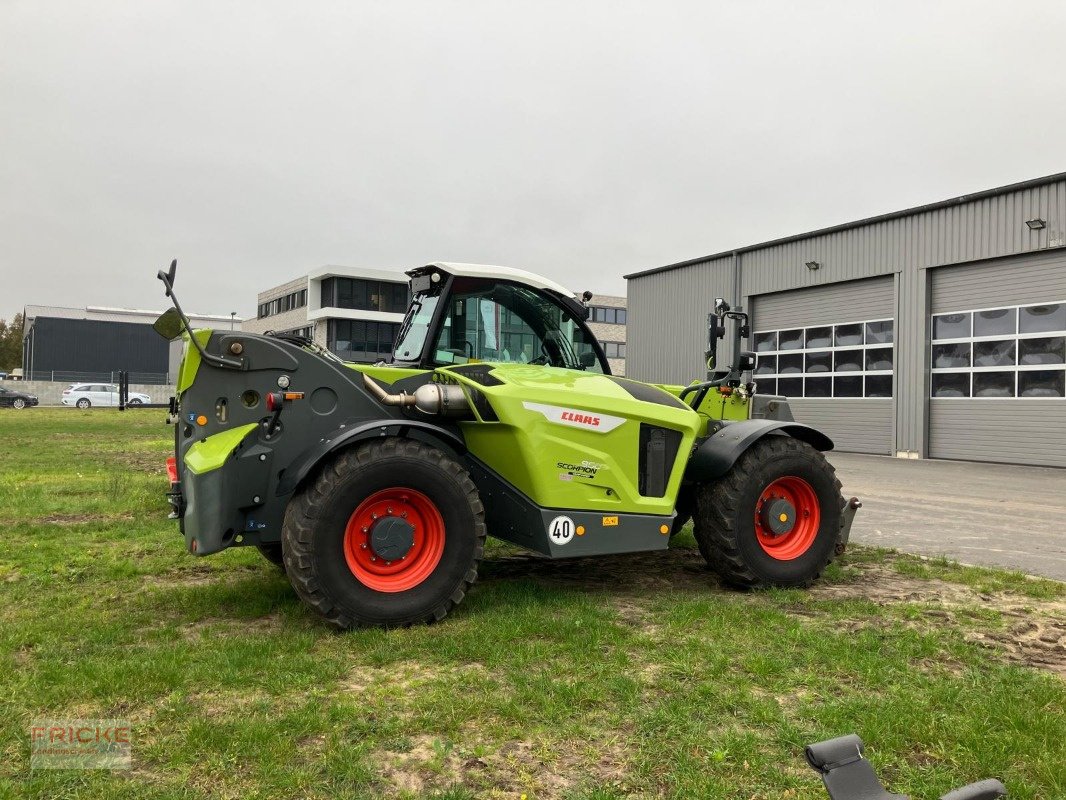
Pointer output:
x,y
988,514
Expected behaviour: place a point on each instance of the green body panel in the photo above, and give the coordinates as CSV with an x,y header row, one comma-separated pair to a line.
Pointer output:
x,y
190,362
211,453
715,406
571,440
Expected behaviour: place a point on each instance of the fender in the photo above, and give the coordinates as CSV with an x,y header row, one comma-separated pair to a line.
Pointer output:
x,y
716,454
304,463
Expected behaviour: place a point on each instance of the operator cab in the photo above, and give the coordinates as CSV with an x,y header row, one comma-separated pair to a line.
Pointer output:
x,y
468,313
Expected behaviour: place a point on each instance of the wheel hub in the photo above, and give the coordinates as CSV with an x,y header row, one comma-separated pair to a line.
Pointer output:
x,y
787,518
394,539
391,538
778,516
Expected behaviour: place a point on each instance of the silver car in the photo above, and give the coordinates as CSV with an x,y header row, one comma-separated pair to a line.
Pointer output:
x,y
86,395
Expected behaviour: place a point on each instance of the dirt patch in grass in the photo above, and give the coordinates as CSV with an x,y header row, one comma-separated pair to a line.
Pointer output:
x,y
406,675
228,628
139,461
1035,633
81,519
199,575
507,769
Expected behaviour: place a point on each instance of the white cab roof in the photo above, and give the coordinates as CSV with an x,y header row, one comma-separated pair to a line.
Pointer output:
x,y
503,273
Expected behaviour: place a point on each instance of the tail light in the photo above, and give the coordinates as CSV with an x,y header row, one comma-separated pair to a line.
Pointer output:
x,y
172,469
66,391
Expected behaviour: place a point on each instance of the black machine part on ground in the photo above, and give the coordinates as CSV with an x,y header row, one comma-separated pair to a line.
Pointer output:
x,y
847,774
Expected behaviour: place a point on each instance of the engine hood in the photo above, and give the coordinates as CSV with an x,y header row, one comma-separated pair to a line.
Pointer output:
x,y
584,400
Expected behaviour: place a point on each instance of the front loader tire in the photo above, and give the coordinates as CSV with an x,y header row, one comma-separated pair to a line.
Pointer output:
x,y
779,482
389,534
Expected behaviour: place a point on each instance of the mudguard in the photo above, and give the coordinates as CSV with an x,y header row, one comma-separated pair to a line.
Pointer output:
x,y
716,454
303,464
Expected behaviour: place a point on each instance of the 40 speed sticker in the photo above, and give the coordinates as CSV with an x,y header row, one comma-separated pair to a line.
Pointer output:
x,y
561,530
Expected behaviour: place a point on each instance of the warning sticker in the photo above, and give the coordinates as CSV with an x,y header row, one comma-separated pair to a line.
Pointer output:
x,y
561,530
609,522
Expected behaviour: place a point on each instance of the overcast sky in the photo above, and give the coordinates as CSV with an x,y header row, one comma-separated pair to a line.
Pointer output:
x,y
583,140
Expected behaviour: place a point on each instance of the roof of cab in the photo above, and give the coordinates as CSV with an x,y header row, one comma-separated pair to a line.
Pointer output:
x,y
503,273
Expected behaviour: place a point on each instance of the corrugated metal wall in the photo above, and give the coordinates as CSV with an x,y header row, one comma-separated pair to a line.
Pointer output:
x,y
982,229
1013,431
668,332
1009,431
825,305
1036,278
667,321
855,426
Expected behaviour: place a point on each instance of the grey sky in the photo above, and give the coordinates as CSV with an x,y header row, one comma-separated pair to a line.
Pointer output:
x,y
256,140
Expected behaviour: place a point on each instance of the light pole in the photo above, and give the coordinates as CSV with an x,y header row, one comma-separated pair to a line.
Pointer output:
x,y
232,317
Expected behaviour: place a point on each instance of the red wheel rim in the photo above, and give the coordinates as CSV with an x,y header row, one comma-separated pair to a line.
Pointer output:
x,y
418,563
808,518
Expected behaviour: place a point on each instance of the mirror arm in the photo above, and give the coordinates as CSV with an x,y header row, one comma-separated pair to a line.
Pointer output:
x,y
220,361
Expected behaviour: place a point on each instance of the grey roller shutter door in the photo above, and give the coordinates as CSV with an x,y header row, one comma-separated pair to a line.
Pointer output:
x,y
826,305
1010,431
854,425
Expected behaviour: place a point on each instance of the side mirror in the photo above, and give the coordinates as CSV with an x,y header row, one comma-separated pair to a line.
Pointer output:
x,y
169,324
587,359
746,361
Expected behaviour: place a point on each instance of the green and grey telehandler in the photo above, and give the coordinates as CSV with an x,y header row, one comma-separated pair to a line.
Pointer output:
x,y
375,485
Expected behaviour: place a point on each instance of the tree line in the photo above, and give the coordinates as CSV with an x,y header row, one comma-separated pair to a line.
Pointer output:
x,y
11,344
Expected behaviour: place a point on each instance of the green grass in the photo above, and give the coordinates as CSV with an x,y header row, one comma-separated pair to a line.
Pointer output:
x,y
598,679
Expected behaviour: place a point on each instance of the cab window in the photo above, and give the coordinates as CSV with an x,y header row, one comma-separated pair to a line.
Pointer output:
x,y
502,322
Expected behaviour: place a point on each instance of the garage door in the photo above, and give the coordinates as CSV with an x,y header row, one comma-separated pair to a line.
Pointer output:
x,y
998,361
830,350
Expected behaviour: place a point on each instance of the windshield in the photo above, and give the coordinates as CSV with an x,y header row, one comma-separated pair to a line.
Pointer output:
x,y
415,328
497,321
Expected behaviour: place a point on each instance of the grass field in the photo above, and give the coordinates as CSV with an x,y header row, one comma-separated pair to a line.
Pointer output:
x,y
624,677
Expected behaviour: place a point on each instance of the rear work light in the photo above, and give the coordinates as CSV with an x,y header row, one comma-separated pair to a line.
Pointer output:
x,y
172,469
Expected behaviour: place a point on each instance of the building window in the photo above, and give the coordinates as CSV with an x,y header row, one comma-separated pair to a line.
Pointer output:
x,y
1017,351
365,295
358,340
614,349
607,314
845,360
284,303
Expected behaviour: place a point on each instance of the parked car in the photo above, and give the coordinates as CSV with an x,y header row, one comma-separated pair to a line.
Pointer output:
x,y
9,397
84,395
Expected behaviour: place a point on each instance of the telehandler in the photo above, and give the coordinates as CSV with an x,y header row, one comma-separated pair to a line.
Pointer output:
x,y
374,486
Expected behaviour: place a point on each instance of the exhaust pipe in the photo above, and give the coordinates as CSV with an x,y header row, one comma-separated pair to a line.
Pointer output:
x,y
433,399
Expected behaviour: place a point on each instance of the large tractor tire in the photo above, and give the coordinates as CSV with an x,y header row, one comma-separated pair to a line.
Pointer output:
x,y
389,534
773,519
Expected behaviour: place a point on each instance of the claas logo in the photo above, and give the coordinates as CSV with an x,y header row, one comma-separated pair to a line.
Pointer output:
x,y
584,419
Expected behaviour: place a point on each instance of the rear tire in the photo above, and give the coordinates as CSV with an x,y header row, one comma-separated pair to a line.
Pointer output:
x,y
734,534
271,551
435,520
135,402
83,403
